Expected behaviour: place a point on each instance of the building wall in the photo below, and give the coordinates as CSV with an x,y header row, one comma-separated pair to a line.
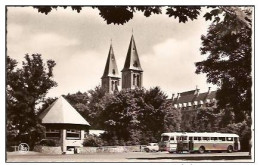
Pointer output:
x,y
63,141
132,79
108,82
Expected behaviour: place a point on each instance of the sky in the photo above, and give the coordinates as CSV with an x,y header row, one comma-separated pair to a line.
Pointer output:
x,y
79,44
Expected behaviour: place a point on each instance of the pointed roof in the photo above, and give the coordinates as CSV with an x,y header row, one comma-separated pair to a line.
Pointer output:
x,y
111,67
186,97
132,60
61,112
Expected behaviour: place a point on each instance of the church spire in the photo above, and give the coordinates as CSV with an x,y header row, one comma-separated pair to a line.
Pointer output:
x,y
132,73
111,66
110,78
132,60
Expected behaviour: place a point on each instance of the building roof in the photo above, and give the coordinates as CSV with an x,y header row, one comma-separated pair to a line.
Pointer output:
x,y
186,97
111,66
201,96
193,95
132,60
61,112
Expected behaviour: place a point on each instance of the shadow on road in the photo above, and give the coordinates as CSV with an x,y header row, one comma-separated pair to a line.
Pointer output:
x,y
197,158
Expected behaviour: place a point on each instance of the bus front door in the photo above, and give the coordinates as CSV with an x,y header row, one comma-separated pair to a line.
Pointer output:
x,y
191,145
236,144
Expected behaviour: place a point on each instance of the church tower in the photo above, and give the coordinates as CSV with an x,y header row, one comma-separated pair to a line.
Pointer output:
x,y
111,77
132,73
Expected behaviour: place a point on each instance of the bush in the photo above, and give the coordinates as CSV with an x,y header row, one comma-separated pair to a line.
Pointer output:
x,y
92,141
48,142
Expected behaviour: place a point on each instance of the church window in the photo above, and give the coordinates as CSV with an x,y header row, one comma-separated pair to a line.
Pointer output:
x,y
134,79
135,64
138,80
112,86
113,71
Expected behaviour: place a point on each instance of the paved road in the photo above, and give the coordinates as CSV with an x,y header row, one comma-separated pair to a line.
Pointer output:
x,y
130,157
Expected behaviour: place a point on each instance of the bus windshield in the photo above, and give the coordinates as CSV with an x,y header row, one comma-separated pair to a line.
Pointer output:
x,y
165,138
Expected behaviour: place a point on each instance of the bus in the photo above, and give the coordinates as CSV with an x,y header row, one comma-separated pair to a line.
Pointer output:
x,y
201,142
169,141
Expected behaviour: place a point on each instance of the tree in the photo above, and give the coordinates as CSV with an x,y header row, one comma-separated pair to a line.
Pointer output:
x,y
122,14
228,46
203,119
96,106
137,116
228,65
26,88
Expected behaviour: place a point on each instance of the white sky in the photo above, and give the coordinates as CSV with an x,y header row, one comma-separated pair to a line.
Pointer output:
x,y
79,43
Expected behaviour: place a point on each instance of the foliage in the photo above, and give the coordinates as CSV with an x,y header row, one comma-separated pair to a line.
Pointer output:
x,y
48,142
135,116
228,46
96,106
122,14
92,141
203,119
26,88
172,119
228,65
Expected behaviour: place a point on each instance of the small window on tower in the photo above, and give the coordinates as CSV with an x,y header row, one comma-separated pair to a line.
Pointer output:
x,y
113,71
135,64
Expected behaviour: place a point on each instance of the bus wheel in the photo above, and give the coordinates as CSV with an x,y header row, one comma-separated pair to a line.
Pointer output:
x,y
201,150
230,149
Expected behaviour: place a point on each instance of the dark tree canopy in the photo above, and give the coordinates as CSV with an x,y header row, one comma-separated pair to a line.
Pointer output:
x,y
122,14
138,116
228,46
26,88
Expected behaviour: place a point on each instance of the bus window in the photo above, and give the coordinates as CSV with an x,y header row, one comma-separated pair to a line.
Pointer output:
x,y
195,138
214,138
190,138
199,138
205,138
222,138
181,137
172,138
229,138
165,138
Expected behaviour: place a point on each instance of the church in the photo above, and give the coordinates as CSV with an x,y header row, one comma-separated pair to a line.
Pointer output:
x,y
132,77
132,73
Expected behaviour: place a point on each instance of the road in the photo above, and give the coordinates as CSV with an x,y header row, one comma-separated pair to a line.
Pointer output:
x,y
130,157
